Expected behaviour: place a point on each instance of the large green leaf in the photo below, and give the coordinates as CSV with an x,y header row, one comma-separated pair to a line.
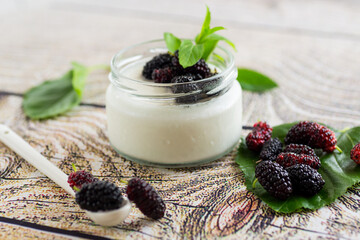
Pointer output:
x,y
337,169
51,98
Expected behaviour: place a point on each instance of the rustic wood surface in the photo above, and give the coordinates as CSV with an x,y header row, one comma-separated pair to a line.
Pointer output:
x,y
311,48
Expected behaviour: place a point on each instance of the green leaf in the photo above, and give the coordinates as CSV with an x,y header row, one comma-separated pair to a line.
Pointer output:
x,y
173,43
51,98
80,74
217,37
253,81
205,27
337,169
215,29
209,47
189,54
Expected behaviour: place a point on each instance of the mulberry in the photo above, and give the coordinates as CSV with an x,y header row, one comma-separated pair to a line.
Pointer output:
x,y
271,149
258,136
313,135
287,159
300,149
305,180
146,198
78,178
185,84
157,62
355,153
200,68
162,75
99,196
274,178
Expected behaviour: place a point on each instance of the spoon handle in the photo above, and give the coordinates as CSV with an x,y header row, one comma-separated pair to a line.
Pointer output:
x,y
22,148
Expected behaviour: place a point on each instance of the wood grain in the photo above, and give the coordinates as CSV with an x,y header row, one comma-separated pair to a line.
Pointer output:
x,y
310,48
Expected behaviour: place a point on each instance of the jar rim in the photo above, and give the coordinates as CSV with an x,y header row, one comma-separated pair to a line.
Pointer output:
x,y
226,71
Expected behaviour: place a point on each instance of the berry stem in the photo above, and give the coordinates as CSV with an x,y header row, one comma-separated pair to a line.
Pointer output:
x,y
76,189
124,181
254,183
339,149
74,167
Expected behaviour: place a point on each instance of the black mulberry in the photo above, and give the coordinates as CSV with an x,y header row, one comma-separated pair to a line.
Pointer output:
x,y
271,149
162,75
99,196
274,178
157,62
306,180
200,68
146,198
185,84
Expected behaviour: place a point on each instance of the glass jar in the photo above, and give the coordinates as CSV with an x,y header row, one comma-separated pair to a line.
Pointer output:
x,y
155,124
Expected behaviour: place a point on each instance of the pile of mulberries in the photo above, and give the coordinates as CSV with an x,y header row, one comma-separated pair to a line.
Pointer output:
x,y
166,68
293,169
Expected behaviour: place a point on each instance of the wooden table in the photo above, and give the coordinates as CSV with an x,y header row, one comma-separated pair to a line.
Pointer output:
x,y
311,48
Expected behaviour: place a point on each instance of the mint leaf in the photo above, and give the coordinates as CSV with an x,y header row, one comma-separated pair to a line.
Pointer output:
x,y
209,47
173,43
253,81
205,27
217,37
337,169
51,98
214,29
80,74
205,43
202,38
189,54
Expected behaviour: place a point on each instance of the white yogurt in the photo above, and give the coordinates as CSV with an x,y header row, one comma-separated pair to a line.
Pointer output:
x,y
163,133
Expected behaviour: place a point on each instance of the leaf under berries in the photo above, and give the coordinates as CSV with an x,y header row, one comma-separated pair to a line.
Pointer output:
x,y
338,171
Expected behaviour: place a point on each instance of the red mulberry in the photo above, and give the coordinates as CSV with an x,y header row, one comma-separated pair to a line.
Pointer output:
x,y
274,178
355,153
287,159
78,178
258,136
146,198
313,135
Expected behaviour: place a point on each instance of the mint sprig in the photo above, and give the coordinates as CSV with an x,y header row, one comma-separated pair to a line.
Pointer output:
x,y
203,45
55,97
